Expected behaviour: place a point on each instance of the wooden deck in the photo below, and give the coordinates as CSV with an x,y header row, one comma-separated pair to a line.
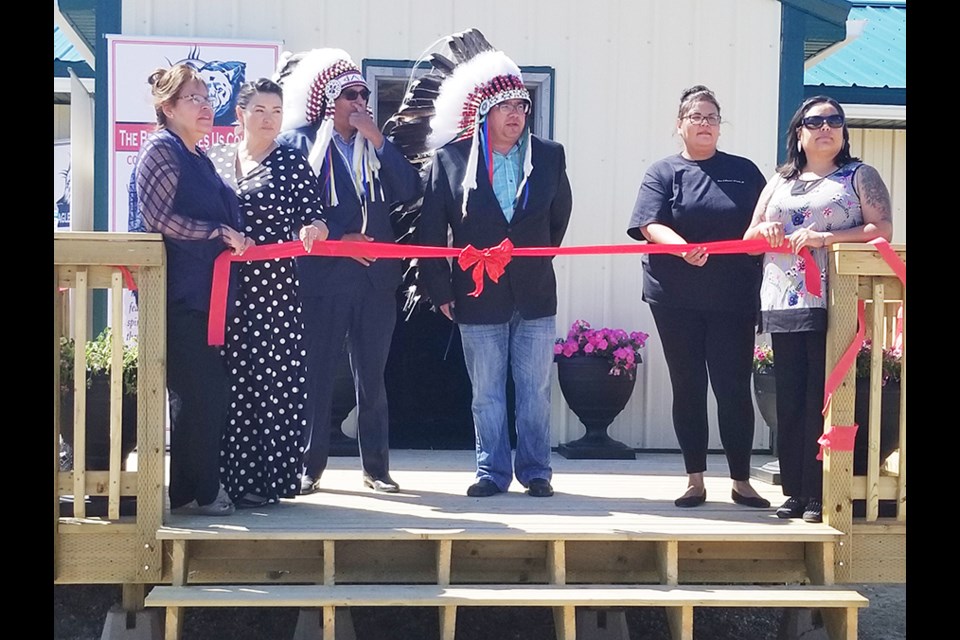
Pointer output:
x,y
595,500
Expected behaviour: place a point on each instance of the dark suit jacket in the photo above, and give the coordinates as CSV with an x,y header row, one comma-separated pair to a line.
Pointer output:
x,y
400,183
529,285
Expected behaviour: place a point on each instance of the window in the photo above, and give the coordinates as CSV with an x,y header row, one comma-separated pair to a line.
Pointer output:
x,y
388,80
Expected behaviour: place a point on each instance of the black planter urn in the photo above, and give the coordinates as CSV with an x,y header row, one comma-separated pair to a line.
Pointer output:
x,y
98,423
889,422
596,397
765,392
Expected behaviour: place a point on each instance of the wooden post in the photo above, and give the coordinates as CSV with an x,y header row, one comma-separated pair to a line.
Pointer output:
x,y
151,414
116,394
838,465
329,579
902,477
680,620
876,394
564,618
841,624
668,561
57,333
448,615
80,397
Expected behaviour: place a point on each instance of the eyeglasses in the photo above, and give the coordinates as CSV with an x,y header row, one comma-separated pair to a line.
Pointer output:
x,y
351,94
698,118
196,99
815,122
513,107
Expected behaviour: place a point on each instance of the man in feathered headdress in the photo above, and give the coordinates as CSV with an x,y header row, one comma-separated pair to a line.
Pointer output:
x,y
361,176
491,180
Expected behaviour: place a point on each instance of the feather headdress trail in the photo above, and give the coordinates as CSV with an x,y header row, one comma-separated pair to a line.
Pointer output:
x,y
449,103
312,81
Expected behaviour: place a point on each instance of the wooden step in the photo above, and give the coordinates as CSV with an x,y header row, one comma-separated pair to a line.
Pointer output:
x,y
839,606
283,595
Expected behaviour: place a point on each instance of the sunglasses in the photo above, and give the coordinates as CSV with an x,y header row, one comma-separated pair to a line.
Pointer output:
x,y
351,94
815,122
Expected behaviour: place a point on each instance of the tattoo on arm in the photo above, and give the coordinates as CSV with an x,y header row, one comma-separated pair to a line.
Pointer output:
x,y
874,193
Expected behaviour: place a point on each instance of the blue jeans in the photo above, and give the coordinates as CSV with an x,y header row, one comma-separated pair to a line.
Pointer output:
x,y
528,347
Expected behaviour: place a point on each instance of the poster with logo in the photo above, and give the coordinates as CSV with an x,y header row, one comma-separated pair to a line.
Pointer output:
x,y
61,185
223,64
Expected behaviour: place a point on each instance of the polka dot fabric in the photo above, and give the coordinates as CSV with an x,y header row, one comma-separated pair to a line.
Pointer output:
x,y
262,444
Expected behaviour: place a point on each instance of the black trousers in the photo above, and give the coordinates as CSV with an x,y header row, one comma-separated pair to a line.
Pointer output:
x,y
198,386
800,366
364,317
695,342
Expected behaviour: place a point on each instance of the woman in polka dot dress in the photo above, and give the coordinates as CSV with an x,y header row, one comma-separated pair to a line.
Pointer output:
x,y
261,449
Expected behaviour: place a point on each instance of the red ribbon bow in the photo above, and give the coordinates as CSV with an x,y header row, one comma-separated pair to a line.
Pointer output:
x,y
493,261
838,438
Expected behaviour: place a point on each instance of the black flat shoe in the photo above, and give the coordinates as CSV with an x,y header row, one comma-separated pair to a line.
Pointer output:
x,y
385,484
756,503
539,488
483,488
691,501
813,512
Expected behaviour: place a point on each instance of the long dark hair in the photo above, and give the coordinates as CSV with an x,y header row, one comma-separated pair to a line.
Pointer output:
x,y
796,157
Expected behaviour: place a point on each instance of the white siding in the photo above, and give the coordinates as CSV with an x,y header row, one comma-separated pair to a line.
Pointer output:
x,y
886,151
620,67
61,121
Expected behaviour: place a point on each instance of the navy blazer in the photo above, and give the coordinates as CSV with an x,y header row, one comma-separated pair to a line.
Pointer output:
x,y
540,220
322,275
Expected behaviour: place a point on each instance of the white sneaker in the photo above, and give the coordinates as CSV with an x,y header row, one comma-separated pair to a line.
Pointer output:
x,y
221,506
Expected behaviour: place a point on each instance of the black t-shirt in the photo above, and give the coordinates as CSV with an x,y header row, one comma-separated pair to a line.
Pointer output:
x,y
703,201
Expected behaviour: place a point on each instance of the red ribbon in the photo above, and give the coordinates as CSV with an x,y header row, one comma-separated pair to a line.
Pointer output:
x,y
837,438
850,355
492,261
846,360
127,276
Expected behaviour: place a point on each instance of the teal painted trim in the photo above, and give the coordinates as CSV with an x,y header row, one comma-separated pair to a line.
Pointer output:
x,y
792,30
832,11
859,95
108,13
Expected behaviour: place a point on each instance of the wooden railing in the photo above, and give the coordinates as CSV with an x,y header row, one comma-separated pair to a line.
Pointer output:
x,y
857,272
83,262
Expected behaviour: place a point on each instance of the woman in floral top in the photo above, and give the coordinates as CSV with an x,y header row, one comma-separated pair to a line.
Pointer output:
x,y
821,195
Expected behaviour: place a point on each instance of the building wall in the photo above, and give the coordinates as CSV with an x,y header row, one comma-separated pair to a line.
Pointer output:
x,y
61,121
620,67
886,150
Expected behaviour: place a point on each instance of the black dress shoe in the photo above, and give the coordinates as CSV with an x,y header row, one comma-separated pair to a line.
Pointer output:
x,y
691,501
385,484
792,508
483,488
539,488
756,503
309,484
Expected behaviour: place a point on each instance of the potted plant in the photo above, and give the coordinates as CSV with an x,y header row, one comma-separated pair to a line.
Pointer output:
x,y
98,357
765,391
597,373
889,404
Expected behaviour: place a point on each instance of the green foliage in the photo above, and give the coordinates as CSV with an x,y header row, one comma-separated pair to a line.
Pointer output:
x,y
98,354
763,361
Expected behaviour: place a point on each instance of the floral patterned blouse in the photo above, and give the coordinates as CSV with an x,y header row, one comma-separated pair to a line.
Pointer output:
x,y
825,204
